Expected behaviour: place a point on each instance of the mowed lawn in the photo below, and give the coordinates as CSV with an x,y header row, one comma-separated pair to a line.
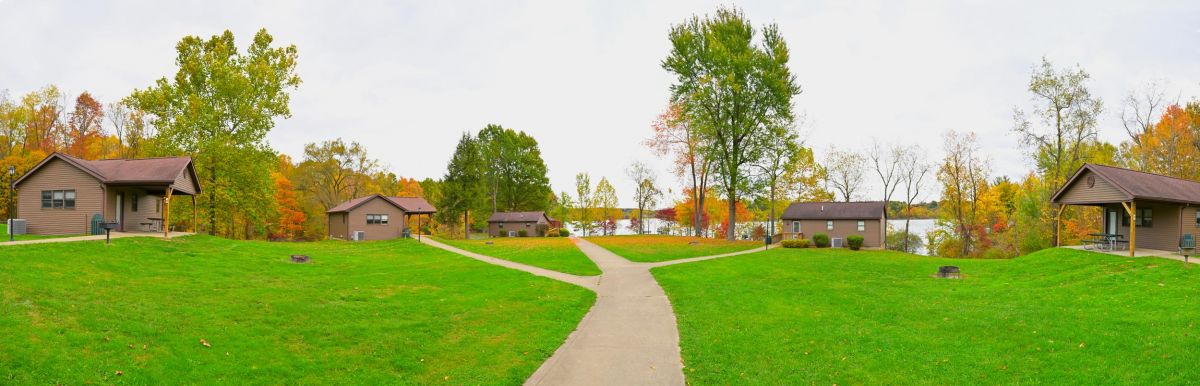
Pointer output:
x,y
392,312
808,316
4,234
553,253
654,248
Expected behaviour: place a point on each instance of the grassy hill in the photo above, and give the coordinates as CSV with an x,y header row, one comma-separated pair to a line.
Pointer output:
x,y
359,313
553,253
801,316
655,248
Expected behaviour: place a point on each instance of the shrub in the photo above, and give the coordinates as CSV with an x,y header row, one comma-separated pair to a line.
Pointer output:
x,y
564,232
796,243
552,233
522,233
821,240
855,242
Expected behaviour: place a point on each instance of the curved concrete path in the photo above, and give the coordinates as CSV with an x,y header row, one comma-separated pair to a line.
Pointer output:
x,y
629,336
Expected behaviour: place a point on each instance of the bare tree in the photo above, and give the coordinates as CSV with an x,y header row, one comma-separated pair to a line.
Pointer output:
x,y
645,192
1142,108
845,172
913,169
886,162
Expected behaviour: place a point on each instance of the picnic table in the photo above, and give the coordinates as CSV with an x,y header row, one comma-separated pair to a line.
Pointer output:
x,y
1103,241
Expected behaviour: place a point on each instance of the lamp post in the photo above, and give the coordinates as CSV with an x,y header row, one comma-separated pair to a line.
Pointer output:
x,y
12,171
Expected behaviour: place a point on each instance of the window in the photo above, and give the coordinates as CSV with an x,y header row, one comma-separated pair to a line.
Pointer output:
x,y
58,199
134,205
1145,218
1198,217
862,226
157,206
527,225
795,227
501,225
828,225
377,219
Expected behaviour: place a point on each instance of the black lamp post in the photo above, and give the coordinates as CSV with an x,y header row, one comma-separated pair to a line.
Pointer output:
x,y
12,171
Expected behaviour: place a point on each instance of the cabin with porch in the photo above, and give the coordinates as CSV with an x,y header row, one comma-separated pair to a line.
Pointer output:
x,y
378,217
1142,211
65,195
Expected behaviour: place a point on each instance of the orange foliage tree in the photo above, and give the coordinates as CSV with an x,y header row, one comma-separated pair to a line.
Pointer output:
x,y
290,219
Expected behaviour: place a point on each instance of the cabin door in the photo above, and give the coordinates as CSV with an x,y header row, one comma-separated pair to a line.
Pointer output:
x,y
121,212
1110,222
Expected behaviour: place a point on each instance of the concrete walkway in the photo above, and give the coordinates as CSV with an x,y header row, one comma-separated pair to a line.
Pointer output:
x,y
629,336
115,235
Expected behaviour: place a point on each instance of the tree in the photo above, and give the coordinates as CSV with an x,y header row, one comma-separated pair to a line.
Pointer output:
x,y
218,108
912,170
1067,112
516,174
735,91
845,172
289,223
561,210
780,159
963,174
584,202
886,162
335,171
462,188
1172,145
44,122
673,135
130,127
84,128
605,199
1141,108
645,193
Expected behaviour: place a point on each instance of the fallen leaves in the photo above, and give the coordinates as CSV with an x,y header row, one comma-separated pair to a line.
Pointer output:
x,y
205,343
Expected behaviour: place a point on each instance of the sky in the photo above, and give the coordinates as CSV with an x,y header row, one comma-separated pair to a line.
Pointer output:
x,y
406,79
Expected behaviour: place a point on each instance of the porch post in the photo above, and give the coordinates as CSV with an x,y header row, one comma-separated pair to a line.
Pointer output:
x,y
166,225
1058,225
1131,209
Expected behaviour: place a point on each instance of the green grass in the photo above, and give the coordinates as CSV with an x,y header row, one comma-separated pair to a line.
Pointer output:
x,y
360,313
807,316
4,234
654,248
553,253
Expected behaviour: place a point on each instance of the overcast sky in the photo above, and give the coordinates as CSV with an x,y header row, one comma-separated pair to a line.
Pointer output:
x,y
584,78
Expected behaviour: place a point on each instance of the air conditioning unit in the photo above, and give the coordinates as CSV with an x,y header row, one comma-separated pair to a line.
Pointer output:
x,y
16,226
358,236
836,243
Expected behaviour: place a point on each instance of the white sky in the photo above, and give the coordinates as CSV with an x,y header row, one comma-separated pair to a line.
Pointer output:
x,y
406,79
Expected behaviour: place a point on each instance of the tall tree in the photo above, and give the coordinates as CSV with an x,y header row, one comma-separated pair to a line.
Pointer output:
x,y
1172,145
289,220
45,122
462,188
674,136
734,90
334,171
516,174
1066,113
845,172
645,191
85,128
605,198
886,162
963,175
913,168
780,159
584,202
218,108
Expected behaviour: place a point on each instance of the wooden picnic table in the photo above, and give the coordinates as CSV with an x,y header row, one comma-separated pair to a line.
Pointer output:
x,y
1104,241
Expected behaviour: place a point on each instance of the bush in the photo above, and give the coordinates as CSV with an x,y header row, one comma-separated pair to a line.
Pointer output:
x,y
821,240
522,233
552,233
796,243
564,232
855,242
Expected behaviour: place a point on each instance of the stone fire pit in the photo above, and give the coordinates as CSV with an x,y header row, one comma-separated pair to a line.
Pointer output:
x,y
300,259
949,272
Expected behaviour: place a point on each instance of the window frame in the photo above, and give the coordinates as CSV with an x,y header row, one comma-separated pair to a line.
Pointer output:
x,y
377,219
862,226
795,227
828,225
1197,212
47,199
133,206
62,199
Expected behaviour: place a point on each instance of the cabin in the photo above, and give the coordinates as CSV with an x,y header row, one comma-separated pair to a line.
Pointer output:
x,y
65,195
1140,210
377,217
510,224
802,220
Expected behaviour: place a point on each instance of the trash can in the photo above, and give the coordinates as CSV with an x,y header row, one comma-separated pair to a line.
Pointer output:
x,y
96,221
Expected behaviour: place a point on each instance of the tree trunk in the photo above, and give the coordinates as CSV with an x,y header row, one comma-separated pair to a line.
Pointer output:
x,y
466,226
732,216
212,201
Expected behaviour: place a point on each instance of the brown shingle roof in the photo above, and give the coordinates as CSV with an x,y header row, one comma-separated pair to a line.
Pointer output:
x,y
415,205
118,171
1141,185
518,217
870,210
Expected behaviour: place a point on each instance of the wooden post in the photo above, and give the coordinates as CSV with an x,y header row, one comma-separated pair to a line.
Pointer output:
x,y
166,225
195,223
1058,225
1131,209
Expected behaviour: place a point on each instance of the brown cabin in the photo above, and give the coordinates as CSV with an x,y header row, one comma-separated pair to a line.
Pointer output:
x,y
376,217
510,224
838,220
62,194
1144,210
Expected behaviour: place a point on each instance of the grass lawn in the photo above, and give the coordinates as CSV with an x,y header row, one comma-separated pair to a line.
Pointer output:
x,y
553,253
801,316
4,234
653,248
360,313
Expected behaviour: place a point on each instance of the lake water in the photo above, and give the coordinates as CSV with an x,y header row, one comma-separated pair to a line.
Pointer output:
x,y
917,227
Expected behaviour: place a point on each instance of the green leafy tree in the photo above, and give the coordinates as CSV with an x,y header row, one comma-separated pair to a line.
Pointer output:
x,y
605,199
462,189
735,91
584,203
218,108
779,161
516,174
